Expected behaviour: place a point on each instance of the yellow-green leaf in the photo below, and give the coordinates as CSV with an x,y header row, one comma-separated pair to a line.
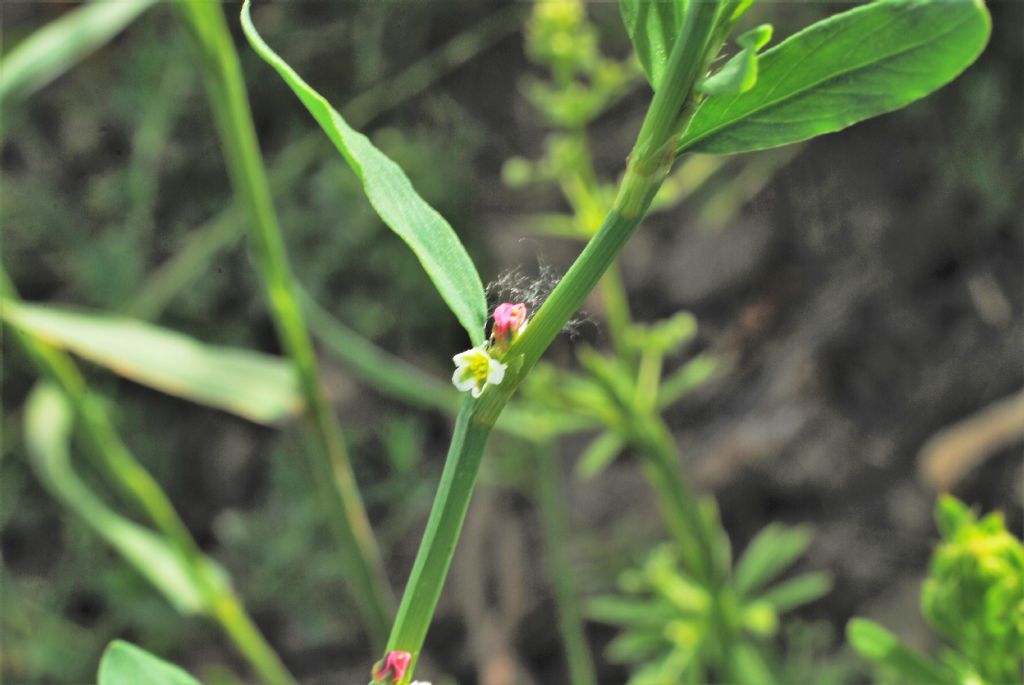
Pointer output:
x,y
256,386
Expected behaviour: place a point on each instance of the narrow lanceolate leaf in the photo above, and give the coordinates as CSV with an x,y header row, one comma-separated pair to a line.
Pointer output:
x,y
256,386
850,67
48,420
394,198
125,664
652,26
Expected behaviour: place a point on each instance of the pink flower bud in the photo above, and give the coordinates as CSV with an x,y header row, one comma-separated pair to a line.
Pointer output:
x,y
392,668
508,318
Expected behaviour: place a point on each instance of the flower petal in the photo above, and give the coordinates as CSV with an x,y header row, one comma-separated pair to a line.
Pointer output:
x,y
463,358
463,379
495,372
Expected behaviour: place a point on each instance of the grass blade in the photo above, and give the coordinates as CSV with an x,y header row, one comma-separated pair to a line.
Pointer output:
x,y
334,478
58,46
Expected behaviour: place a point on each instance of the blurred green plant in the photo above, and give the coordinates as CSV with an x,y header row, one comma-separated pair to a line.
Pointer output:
x,y
125,664
677,630
973,597
624,392
169,559
50,51
789,93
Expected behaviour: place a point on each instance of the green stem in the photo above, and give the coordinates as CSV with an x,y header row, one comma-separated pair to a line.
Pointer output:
x,y
243,631
136,484
662,466
343,503
443,527
692,533
616,309
554,515
650,162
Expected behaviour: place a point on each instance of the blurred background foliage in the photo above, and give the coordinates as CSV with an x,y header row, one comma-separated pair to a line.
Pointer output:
x,y
864,292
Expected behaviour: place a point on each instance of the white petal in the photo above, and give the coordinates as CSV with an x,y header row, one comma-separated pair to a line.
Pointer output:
x,y
495,372
464,358
477,391
463,379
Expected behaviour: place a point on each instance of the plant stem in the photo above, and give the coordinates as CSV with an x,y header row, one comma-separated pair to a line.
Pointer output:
x,y
239,626
676,498
342,503
651,159
443,527
554,515
136,484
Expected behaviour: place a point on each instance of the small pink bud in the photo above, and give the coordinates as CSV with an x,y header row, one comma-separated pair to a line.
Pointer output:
x,y
508,318
392,669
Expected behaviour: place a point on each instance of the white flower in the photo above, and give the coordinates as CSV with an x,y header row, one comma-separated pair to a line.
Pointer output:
x,y
419,682
474,369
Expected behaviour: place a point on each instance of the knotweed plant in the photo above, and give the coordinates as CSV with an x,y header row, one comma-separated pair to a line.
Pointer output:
x,y
712,93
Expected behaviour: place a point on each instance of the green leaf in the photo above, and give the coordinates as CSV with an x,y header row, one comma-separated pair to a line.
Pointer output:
x,y
58,46
951,515
601,451
739,74
653,27
881,647
798,591
392,195
256,386
748,666
630,612
125,664
48,421
635,646
770,552
870,60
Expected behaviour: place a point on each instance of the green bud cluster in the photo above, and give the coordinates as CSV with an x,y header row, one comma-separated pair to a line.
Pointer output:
x,y
974,594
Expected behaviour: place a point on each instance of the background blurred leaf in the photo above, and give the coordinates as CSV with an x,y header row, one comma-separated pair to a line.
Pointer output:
x,y
652,26
58,46
878,645
795,592
772,550
870,60
48,421
601,451
125,664
256,386
392,195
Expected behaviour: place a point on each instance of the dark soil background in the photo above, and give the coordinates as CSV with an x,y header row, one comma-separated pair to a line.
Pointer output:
x,y
868,295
